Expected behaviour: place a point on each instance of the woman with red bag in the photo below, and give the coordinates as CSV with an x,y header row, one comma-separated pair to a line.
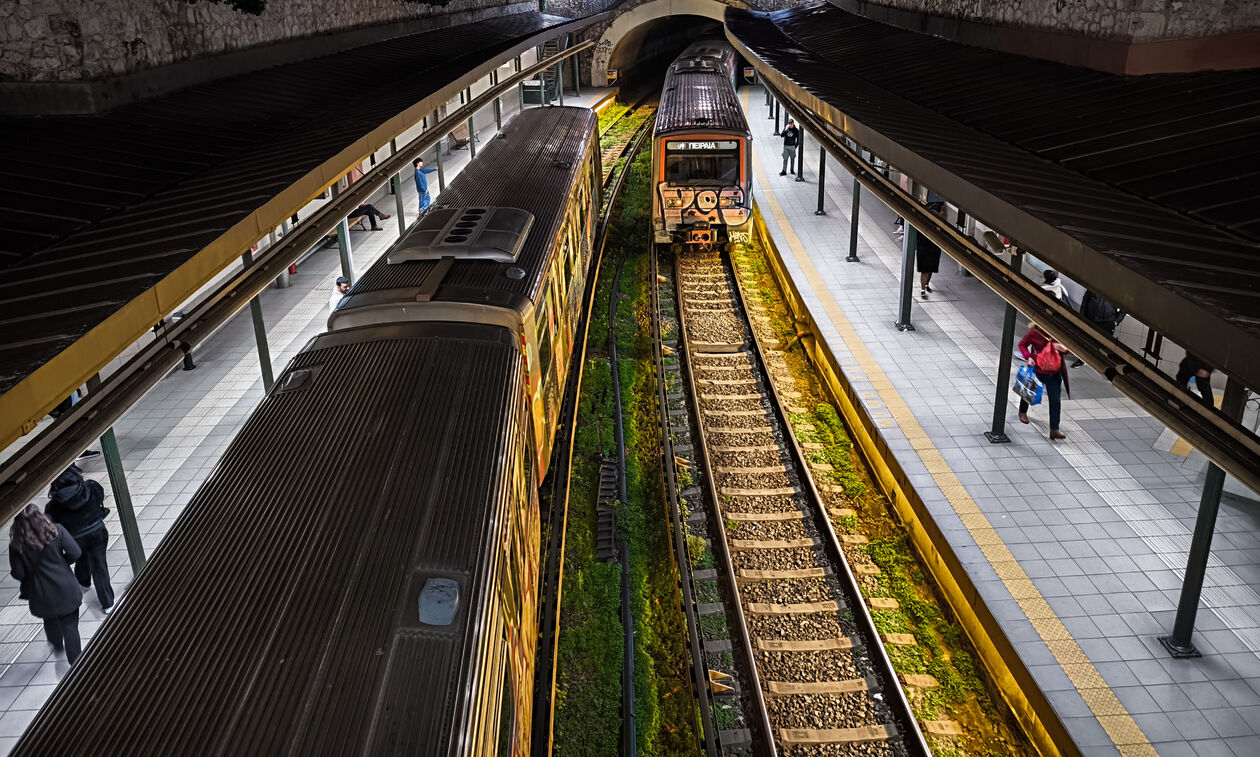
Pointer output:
x,y
1045,356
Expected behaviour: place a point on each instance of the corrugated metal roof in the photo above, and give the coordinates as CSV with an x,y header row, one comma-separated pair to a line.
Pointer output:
x,y
697,94
533,164
95,210
280,614
1155,173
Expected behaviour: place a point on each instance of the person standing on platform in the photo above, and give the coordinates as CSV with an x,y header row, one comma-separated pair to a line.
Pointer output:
x,y
422,184
1045,356
1053,285
342,286
1193,367
39,555
927,254
791,138
1102,314
79,504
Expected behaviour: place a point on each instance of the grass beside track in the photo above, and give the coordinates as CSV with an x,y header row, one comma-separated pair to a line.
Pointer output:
x,y
588,720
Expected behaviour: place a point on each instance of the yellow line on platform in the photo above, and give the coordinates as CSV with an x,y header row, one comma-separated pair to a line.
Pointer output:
x,y
1120,726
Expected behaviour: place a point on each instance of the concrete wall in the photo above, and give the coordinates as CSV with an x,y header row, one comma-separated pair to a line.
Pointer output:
x,y
1125,20
75,40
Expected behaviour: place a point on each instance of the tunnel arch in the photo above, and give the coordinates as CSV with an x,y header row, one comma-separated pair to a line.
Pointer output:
x,y
623,24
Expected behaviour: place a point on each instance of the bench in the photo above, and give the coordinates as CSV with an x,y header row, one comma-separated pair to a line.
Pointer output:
x,y
459,136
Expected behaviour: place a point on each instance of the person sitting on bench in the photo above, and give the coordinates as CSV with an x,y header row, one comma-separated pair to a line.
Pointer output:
x,y
369,210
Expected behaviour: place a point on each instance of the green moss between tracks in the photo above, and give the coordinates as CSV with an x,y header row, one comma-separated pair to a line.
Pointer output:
x,y
588,720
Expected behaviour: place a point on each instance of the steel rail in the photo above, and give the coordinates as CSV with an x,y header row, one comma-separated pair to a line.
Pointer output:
x,y
682,557
701,451
24,475
896,700
552,573
1222,439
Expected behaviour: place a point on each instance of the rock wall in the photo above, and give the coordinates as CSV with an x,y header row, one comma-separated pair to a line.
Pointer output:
x,y
1123,20
75,40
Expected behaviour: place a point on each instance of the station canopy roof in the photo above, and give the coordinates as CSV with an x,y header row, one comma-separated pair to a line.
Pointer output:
x,y
108,222
1146,189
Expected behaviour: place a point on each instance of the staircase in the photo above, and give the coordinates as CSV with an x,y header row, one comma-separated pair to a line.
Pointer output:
x,y
550,89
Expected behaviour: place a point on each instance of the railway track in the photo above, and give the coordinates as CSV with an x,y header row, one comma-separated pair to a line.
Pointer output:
x,y
641,111
820,682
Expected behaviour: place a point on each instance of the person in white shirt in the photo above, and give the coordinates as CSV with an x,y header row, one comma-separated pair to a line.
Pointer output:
x,y
1053,285
343,286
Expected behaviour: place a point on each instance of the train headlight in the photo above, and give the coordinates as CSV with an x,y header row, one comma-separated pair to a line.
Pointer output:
x,y
674,202
730,202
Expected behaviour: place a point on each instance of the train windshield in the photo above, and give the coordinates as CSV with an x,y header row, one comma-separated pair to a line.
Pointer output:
x,y
702,162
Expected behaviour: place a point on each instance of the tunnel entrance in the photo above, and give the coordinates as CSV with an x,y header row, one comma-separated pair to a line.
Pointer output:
x,y
637,40
646,51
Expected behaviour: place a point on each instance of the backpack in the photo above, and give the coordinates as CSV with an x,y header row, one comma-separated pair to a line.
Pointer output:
x,y
1049,360
1099,310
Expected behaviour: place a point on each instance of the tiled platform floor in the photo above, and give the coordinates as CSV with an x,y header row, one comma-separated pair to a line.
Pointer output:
x,y
1100,522
174,437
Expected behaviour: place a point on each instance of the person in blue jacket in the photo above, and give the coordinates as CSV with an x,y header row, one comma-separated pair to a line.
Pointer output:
x,y
422,184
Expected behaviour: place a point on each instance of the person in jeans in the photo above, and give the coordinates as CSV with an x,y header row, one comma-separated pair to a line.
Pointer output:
x,y
791,138
39,555
79,504
422,184
1045,356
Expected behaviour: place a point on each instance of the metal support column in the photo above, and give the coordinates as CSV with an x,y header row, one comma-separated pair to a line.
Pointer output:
x,y
282,281
396,186
800,156
560,81
498,101
1180,643
343,240
776,118
822,179
122,494
260,331
909,243
520,88
853,221
997,431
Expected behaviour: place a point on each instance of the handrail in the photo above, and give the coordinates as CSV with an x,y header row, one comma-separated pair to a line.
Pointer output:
x,y
42,459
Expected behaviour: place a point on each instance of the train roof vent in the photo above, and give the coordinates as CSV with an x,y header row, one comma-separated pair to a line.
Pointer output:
x,y
478,233
439,601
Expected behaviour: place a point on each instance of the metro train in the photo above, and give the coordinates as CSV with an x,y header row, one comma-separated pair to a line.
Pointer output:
x,y
701,150
359,574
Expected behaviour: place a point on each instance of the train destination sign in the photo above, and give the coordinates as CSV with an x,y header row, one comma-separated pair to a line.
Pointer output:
x,y
721,144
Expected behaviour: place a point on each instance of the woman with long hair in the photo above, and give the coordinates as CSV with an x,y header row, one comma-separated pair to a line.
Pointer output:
x,y
40,553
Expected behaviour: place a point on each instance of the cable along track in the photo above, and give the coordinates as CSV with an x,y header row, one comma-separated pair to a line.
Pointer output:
x,y
824,685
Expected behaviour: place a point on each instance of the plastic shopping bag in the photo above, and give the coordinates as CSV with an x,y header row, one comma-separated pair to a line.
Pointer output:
x,y
1028,386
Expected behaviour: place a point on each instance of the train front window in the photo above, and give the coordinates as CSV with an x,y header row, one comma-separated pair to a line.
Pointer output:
x,y
702,162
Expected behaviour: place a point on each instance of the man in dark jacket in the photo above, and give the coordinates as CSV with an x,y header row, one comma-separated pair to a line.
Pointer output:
x,y
77,504
1102,314
791,138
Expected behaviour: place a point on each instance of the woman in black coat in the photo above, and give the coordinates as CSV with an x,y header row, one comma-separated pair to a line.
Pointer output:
x,y
39,555
78,504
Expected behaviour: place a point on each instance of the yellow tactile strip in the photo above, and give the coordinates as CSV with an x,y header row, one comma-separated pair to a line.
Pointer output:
x,y
1120,727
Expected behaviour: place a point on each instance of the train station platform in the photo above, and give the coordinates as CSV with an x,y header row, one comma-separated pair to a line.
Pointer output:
x,y
1097,525
173,438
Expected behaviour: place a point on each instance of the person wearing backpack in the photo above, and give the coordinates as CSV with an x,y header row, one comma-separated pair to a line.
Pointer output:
x,y
1102,314
1045,356
78,504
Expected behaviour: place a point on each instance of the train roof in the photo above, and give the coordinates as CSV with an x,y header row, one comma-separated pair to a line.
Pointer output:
x,y
698,95
531,165
280,615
